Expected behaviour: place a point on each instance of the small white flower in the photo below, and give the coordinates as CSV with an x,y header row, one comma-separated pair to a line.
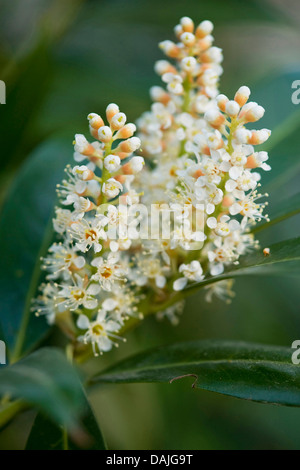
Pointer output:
x,y
112,163
112,188
108,271
88,234
224,226
99,333
79,293
191,272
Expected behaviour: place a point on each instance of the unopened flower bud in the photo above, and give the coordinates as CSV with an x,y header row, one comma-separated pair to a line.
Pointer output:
x,y
204,28
188,39
178,30
129,145
242,95
221,102
214,117
259,137
158,94
127,131
213,54
105,134
232,108
118,121
187,24
81,145
136,164
111,110
169,48
252,112
95,122
163,66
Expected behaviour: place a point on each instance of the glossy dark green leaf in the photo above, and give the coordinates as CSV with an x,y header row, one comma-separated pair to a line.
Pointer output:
x,y
25,234
46,435
250,371
252,263
279,212
46,380
274,93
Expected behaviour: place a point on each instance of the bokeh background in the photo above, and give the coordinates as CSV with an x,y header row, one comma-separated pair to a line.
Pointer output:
x,y
64,59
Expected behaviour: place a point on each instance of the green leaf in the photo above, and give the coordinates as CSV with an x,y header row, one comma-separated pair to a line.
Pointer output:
x,y
250,371
279,212
274,93
25,234
48,382
46,435
252,263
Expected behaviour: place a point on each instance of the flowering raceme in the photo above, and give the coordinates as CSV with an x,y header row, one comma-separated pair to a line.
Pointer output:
x,y
197,168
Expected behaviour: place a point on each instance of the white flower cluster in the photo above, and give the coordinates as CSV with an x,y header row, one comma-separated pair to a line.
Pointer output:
x,y
200,152
87,288
201,168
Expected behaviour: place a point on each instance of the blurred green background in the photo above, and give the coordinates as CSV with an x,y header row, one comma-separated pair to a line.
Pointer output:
x,y
64,59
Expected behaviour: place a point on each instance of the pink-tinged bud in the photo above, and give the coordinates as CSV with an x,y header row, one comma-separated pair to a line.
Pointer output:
x,y
187,24
178,30
111,110
169,48
118,121
227,201
252,112
159,95
222,100
232,109
129,145
205,43
205,27
163,66
81,145
95,122
251,162
127,131
105,134
134,166
188,39
259,137
214,118
242,95
213,54
266,252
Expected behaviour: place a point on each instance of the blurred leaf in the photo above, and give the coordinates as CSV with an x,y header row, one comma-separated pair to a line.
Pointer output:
x,y
279,212
243,370
283,118
47,381
28,83
45,435
251,263
25,234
